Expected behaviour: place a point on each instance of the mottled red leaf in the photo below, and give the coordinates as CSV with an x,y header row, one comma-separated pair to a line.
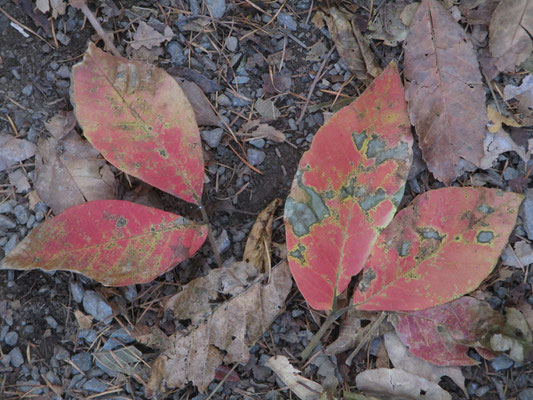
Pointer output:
x,y
444,90
437,334
112,241
438,248
347,188
138,117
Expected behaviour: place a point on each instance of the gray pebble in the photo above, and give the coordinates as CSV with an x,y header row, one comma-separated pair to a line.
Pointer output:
x,y
88,334
3,332
11,338
62,83
77,291
482,391
217,8
28,329
7,206
122,335
27,90
131,293
96,306
63,72
232,43
53,378
41,206
7,223
64,39
22,214
16,357
32,385
61,354
16,74
255,157
259,143
241,80
31,222
194,7
39,216
11,243
53,66
526,394
224,100
95,385
527,213
239,102
287,21
501,362
175,51
52,323
223,241
212,137
83,361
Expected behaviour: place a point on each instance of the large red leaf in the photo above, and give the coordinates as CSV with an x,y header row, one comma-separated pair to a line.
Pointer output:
x,y
437,334
347,188
112,241
138,117
438,248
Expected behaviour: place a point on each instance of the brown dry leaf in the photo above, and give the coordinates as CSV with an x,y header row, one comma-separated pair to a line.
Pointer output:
x,y
256,130
18,179
61,124
13,151
444,91
150,336
148,37
392,24
522,93
495,144
196,300
279,82
401,358
399,384
257,249
267,110
511,26
351,45
521,256
496,120
225,337
84,321
126,360
69,172
352,331
202,108
303,388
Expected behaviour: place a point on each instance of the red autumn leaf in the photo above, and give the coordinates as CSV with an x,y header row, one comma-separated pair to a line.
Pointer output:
x,y
438,248
111,241
138,117
347,188
437,334
444,91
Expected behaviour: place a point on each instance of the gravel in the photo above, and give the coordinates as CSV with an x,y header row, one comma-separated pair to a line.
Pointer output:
x,y
217,8
77,291
527,213
22,214
212,137
7,223
255,157
95,385
287,21
501,362
16,357
11,338
83,361
232,43
94,305
526,394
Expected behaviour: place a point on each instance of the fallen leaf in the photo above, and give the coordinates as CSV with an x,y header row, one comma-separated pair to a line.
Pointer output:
x,y
207,85
69,172
42,5
521,257
19,180
200,104
279,82
148,37
510,28
402,359
515,339
196,353
13,151
84,321
267,110
256,130
317,51
61,124
126,360
303,388
113,242
444,91
477,12
397,383
440,335
150,336
495,144
257,249
352,330
58,7
392,23
522,93
197,299
496,120
351,45
140,120
455,231
347,188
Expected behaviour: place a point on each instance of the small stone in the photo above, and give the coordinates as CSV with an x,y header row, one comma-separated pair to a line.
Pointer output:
x,y
11,243
131,293
175,51
11,338
259,143
83,361
287,21
52,323
223,241
41,206
212,137
22,214
53,66
217,8
501,363
7,206
232,43
241,80
64,39
526,394
96,306
77,291
527,213
255,157
7,223
63,72
510,173
31,222
16,357
224,100
95,385
482,391
27,90
39,216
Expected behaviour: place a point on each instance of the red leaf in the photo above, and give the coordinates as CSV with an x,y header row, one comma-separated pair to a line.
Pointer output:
x,y
138,117
114,242
347,189
438,248
436,334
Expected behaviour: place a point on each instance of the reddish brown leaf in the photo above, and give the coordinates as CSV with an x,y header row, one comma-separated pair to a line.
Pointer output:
x,y
347,188
444,91
138,117
114,242
511,26
436,334
438,248
13,150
